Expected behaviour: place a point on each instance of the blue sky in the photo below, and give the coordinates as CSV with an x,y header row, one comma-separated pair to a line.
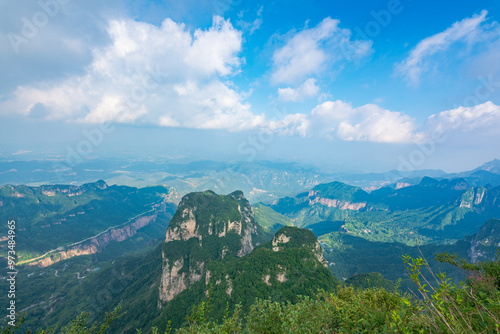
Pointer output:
x,y
353,85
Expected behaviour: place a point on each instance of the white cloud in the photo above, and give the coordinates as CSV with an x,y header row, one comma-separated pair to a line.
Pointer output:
x,y
170,76
465,119
313,49
307,89
113,108
371,123
470,31
379,125
338,119
293,124
214,51
213,106
252,26
365,123
163,75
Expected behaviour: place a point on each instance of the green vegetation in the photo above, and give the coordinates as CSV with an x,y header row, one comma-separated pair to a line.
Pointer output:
x,y
79,325
283,285
270,220
341,191
263,274
133,281
473,307
370,280
349,255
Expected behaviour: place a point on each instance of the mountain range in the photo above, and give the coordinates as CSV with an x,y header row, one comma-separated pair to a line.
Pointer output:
x,y
263,181
165,258
432,211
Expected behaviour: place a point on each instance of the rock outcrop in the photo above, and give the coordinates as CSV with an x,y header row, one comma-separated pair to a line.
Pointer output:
x,y
205,227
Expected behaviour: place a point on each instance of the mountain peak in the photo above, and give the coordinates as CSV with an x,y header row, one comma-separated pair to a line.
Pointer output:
x,y
341,191
205,227
293,237
492,166
237,195
428,182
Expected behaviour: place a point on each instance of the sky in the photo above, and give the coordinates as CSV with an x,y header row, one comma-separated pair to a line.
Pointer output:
x,y
345,85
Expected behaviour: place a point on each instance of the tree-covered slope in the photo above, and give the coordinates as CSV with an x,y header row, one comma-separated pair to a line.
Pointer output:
x,y
270,220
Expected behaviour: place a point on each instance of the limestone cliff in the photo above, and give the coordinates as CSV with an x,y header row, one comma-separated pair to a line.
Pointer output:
x,y
205,227
98,242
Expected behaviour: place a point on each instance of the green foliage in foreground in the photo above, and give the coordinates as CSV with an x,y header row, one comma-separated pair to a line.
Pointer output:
x,y
370,280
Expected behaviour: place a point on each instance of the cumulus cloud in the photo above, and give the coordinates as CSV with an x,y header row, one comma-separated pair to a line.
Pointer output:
x,y
371,123
217,107
307,89
309,51
340,120
293,124
465,119
163,75
365,123
470,31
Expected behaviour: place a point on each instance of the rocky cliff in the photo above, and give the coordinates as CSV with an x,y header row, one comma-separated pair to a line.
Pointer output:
x,y
205,227
98,242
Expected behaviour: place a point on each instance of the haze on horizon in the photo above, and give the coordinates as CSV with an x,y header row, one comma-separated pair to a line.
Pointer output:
x,y
359,85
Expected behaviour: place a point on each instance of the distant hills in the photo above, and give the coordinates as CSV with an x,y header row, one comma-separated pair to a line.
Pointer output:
x,y
261,181
215,251
486,175
350,255
431,211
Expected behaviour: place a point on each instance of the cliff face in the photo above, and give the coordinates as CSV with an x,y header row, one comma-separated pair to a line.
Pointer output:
x,y
97,243
325,198
52,190
472,197
480,197
342,205
205,227
63,220
291,261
